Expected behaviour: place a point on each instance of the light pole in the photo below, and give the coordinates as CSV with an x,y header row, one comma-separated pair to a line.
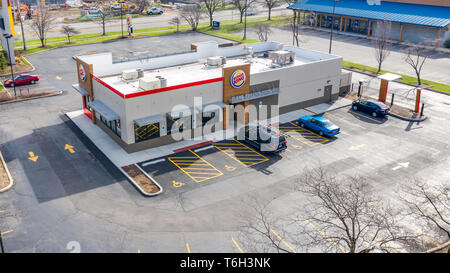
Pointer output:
x,y
7,37
245,21
332,24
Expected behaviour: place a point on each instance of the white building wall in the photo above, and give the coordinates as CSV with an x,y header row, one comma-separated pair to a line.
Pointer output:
x,y
163,102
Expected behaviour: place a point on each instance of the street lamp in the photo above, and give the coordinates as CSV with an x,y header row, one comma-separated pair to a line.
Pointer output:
x,y
7,37
332,24
245,21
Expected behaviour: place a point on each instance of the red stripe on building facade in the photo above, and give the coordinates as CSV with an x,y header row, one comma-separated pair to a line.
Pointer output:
x,y
107,86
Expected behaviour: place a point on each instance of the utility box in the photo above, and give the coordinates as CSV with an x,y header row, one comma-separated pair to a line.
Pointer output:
x,y
149,83
282,57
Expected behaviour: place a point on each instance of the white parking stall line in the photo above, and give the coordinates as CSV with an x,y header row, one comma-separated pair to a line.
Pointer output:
x,y
153,162
203,148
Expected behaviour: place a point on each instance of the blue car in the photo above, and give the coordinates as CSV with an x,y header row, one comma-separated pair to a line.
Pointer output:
x,y
319,124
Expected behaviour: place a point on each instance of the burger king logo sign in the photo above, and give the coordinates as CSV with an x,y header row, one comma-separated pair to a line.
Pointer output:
x,y
237,78
82,72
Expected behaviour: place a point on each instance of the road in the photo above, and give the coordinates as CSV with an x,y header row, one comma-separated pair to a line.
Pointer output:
x,y
138,23
64,201
360,50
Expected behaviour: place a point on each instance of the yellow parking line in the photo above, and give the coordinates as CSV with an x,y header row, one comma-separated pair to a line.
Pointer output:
x,y
281,240
6,232
188,248
325,236
243,153
365,116
200,162
236,244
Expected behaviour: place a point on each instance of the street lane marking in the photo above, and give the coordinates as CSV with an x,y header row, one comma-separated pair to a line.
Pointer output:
x,y
58,78
236,244
33,157
188,165
6,232
281,240
241,153
70,148
325,236
152,162
401,165
177,184
356,147
188,248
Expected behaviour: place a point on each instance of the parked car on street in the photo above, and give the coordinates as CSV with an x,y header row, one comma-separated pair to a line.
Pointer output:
x,y
321,125
263,138
375,108
155,10
250,12
21,80
115,6
94,10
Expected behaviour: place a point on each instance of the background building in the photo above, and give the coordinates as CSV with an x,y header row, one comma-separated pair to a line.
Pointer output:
x,y
138,101
416,21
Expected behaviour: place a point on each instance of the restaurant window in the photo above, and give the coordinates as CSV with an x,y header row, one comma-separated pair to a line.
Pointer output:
x,y
175,125
146,132
114,125
87,99
207,116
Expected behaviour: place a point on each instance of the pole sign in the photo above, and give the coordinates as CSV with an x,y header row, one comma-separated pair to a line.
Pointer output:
x,y
216,25
129,24
237,78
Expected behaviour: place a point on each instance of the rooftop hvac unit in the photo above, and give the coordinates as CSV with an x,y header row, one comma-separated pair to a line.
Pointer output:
x,y
214,61
282,57
131,74
140,73
149,83
163,81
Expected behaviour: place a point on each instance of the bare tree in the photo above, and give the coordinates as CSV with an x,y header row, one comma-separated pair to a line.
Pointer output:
x,y
211,6
416,57
141,5
69,31
263,32
192,16
242,6
337,215
41,23
176,21
270,4
104,19
294,24
429,207
381,42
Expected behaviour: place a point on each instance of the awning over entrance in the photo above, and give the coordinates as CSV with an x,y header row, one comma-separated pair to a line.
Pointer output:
x,y
148,120
103,110
183,112
80,90
213,106
415,14
254,95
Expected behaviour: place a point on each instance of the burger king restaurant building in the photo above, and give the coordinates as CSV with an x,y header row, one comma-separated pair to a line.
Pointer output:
x,y
144,103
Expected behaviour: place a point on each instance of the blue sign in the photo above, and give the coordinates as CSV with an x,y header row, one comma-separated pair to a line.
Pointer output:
x,y
329,18
356,23
216,25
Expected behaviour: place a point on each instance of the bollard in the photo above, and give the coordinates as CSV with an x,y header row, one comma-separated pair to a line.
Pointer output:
x,y
20,90
392,99
421,111
28,90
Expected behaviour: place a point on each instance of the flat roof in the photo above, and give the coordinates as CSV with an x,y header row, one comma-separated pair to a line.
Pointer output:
x,y
415,14
190,73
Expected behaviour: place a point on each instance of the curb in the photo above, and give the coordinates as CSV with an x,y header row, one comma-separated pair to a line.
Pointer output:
x,y
319,114
104,160
407,119
11,180
27,99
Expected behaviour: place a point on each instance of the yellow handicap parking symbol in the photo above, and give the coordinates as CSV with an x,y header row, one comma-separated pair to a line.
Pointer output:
x,y
230,168
177,184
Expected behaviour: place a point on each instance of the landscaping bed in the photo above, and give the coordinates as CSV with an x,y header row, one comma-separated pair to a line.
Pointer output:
x,y
144,182
4,177
6,97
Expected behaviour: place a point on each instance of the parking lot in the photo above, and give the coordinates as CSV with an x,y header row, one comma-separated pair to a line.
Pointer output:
x,y
65,197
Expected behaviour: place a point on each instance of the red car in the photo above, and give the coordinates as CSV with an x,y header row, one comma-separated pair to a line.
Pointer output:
x,y
21,80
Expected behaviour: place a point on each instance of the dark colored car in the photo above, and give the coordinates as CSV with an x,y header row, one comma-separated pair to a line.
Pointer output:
x,y
264,139
21,80
375,108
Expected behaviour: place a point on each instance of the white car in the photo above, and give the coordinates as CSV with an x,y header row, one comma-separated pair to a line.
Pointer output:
x,y
94,10
250,12
116,6
155,10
